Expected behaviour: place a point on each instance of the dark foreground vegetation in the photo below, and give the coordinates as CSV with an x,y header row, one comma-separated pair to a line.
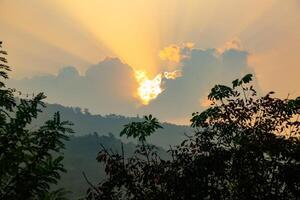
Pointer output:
x,y
27,162
243,147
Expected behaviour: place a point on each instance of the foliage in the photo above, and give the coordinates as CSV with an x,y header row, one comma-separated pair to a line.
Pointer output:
x,y
141,130
27,162
243,147
59,194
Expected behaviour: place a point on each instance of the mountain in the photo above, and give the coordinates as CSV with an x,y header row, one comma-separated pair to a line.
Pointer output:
x,y
86,123
80,156
92,130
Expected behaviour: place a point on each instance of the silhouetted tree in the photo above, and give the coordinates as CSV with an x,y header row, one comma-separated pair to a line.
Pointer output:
x,y
27,162
243,147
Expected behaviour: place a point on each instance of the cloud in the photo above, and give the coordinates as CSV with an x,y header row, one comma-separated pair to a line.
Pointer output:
x,y
175,53
110,86
172,75
234,44
200,71
107,87
46,35
171,53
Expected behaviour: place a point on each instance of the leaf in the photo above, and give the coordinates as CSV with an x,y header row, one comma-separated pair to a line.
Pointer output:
x,y
220,92
235,83
247,78
141,130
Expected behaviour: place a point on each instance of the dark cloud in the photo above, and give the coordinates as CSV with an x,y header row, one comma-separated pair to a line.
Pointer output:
x,y
106,87
200,72
109,86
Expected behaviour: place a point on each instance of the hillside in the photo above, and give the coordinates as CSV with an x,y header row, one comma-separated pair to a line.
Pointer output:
x,y
91,131
80,156
86,123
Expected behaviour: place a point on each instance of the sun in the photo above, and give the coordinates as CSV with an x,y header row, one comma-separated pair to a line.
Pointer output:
x,y
149,89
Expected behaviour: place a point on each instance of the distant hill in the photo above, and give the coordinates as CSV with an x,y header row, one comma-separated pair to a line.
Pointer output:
x,y
86,123
91,131
80,156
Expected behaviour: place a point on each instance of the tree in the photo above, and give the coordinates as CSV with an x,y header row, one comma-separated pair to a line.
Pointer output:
x,y
30,160
243,147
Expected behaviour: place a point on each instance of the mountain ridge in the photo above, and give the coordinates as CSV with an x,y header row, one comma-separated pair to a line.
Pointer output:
x,y
87,123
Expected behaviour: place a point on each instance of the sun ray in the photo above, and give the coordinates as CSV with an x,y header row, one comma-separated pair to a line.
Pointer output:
x,y
136,31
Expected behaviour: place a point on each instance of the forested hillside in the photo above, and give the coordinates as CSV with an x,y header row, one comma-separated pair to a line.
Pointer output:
x,y
80,156
91,131
86,123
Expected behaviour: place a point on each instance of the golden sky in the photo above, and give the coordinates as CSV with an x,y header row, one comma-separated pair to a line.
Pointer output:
x,y
43,36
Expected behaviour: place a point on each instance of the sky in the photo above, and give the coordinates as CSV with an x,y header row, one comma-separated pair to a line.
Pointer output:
x,y
154,56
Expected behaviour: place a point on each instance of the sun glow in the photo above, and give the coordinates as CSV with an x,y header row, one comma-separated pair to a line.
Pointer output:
x,y
172,75
149,89
139,33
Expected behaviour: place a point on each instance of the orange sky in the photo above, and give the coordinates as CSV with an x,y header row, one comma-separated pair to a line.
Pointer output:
x,y
43,36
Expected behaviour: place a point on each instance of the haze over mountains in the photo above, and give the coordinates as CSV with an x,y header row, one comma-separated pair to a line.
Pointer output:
x,y
86,123
91,131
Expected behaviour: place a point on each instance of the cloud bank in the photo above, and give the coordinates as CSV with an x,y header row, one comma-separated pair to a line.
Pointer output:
x,y
201,69
110,86
106,87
